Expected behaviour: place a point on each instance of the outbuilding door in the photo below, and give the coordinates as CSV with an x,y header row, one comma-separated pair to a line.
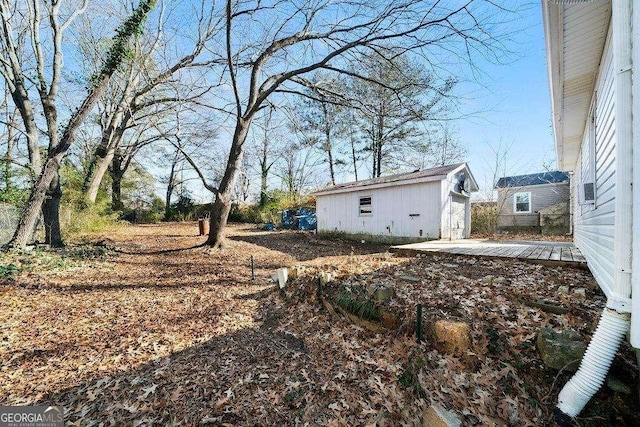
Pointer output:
x,y
457,217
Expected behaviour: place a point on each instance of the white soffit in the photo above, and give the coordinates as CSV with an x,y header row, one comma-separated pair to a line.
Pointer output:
x,y
575,37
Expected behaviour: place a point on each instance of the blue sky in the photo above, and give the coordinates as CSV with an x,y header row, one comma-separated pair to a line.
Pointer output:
x,y
514,109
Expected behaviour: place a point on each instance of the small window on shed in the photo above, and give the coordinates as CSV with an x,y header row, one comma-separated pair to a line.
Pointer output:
x,y
365,205
522,202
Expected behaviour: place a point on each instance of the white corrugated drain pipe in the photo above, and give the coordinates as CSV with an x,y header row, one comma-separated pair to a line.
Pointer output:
x,y
612,328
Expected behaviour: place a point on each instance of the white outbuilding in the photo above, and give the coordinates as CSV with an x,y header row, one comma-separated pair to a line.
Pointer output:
x,y
427,204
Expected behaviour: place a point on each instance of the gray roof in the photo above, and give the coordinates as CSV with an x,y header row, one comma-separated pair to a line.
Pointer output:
x,y
433,172
533,179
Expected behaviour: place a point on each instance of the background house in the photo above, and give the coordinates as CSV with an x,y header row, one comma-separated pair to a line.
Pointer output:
x,y
529,202
428,204
592,57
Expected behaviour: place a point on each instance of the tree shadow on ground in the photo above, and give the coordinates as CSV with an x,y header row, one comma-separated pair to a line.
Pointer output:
x,y
306,246
207,383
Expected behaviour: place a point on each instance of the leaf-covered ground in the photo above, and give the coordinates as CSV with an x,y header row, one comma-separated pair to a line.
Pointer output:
x,y
142,327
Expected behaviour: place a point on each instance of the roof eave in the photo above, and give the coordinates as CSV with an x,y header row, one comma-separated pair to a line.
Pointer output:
x,y
378,185
551,14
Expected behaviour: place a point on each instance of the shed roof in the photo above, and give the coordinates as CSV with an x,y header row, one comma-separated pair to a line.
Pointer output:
x,y
533,179
432,174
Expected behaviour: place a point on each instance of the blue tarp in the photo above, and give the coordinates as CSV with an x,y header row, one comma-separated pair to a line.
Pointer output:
x,y
299,219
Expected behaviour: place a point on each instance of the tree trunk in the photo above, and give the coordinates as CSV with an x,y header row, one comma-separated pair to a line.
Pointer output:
x,y
222,205
21,99
116,184
264,173
171,185
101,166
51,213
333,177
327,141
354,157
29,217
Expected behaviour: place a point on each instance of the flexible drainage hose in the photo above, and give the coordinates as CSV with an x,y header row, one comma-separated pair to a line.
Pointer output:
x,y
595,364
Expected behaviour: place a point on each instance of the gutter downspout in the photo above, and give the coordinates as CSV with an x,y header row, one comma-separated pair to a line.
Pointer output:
x,y
615,320
635,231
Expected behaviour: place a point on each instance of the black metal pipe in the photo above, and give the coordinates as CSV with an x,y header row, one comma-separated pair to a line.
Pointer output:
x,y
419,323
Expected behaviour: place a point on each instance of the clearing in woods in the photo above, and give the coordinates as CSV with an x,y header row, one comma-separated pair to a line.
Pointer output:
x,y
144,327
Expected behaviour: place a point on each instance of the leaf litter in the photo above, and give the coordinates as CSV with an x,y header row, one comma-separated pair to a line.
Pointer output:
x,y
156,330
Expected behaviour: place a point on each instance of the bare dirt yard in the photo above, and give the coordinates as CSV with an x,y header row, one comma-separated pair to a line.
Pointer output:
x,y
144,327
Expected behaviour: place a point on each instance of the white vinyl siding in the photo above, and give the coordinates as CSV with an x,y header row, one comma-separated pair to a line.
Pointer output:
x,y
412,210
594,223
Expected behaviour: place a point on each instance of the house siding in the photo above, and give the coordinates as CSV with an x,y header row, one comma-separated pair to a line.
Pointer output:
x,y
542,196
397,211
594,223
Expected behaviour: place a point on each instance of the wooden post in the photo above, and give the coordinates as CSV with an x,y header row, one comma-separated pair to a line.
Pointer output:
x,y
253,273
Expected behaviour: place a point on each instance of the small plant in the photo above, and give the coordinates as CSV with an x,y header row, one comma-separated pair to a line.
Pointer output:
x,y
359,305
408,379
7,272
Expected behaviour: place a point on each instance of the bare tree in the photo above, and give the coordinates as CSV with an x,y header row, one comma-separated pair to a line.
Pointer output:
x,y
268,150
59,143
150,86
297,39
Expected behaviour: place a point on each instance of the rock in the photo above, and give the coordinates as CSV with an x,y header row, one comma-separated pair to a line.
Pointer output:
x,y
283,275
617,385
545,306
436,416
294,272
499,279
580,292
563,290
560,350
452,337
389,320
487,279
409,278
325,277
383,293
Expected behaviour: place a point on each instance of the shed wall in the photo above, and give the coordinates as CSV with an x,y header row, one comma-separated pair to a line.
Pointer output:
x,y
397,211
542,196
594,223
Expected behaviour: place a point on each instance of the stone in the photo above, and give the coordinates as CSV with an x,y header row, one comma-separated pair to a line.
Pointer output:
x,y
389,320
487,279
560,350
617,385
437,416
563,290
283,275
294,272
380,293
499,279
452,337
325,277
580,292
